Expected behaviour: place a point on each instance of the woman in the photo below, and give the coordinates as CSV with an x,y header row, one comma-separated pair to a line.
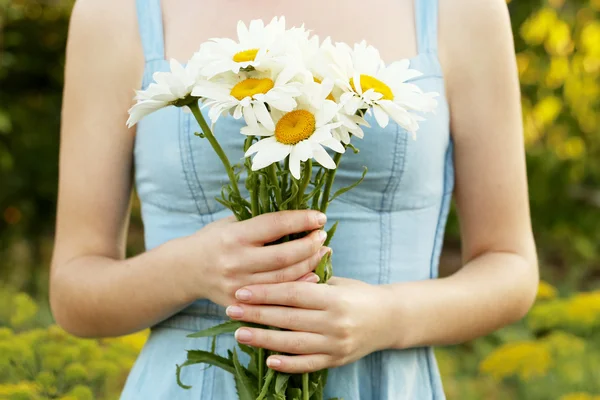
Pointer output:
x,y
375,324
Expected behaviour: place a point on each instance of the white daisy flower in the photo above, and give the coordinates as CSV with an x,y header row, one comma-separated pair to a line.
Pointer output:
x,y
167,89
349,125
369,83
250,95
250,51
299,134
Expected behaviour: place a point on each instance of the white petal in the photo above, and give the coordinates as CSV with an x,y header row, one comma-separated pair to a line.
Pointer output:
x,y
326,113
242,31
398,72
295,163
286,75
334,145
274,152
259,146
356,81
256,130
320,134
263,115
143,108
249,116
381,116
399,115
237,112
323,157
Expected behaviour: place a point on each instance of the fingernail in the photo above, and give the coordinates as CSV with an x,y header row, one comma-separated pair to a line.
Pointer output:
x,y
243,335
323,251
314,278
321,218
235,311
243,294
322,236
273,362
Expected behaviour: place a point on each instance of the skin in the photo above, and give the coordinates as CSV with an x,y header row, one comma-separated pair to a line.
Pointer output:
x,y
328,324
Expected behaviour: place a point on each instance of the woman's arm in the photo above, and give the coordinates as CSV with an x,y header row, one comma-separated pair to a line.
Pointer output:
x,y
331,325
498,282
94,291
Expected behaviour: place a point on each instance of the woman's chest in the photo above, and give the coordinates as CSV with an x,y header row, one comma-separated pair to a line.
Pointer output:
x,y
389,25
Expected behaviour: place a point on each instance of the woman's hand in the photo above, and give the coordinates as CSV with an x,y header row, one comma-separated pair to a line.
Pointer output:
x,y
327,325
227,255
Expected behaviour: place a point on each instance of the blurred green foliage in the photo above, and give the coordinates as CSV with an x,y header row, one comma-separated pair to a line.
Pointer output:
x,y
39,362
553,354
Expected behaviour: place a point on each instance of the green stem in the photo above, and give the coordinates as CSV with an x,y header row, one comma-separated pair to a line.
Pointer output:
x,y
306,174
285,177
275,182
261,366
254,201
305,388
216,146
329,182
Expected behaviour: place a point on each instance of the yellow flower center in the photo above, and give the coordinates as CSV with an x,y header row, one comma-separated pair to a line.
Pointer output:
x,y
330,97
295,126
251,86
245,56
368,82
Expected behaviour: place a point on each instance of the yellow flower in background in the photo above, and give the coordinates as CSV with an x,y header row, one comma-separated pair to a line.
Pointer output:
x,y
525,359
21,390
580,313
135,341
545,291
579,396
584,308
564,344
536,28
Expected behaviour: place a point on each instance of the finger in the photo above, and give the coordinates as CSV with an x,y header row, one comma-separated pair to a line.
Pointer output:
x,y
283,341
270,227
291,294
287,267
299,364
291,318
310,277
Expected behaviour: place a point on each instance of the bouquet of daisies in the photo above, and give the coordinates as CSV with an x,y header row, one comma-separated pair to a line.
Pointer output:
x,y
302,101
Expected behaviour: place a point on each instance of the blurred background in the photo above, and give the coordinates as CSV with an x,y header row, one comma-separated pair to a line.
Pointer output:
x,y
554,353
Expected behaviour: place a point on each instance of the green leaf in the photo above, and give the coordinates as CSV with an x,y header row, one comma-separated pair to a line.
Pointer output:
x,y
253,353
226,327
317,190
347,188
292,196
213,345
330,233
203,357
356,151
246,388
321,269
266,385
294,394
281,382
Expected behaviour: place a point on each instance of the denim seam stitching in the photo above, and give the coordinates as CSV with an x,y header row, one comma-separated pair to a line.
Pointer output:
x,y
443,205
197,183
185,159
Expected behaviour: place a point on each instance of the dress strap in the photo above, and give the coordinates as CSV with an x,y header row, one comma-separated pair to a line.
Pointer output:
x,y
427,25
150,23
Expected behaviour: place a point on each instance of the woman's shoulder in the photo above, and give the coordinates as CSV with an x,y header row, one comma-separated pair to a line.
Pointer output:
x,y
104,36
107,27
473,27
475,42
